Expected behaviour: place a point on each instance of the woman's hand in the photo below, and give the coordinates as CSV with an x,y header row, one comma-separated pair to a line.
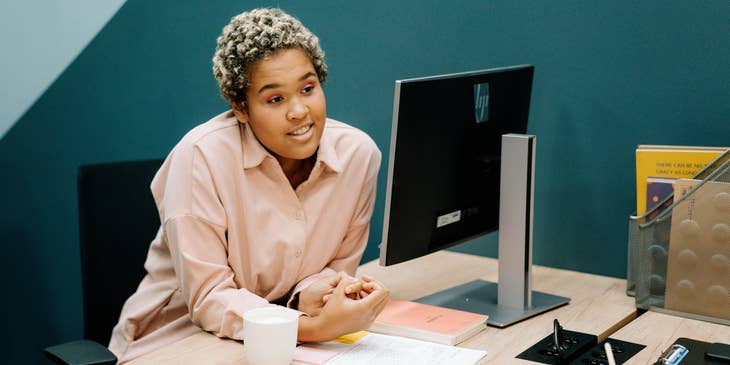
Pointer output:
x,y
342,314
369,284
314,297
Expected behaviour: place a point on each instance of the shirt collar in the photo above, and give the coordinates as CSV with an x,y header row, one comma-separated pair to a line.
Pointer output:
x,y
254,153
327,153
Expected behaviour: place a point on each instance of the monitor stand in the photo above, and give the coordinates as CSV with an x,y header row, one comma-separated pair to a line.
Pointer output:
x,y
512,300
480,296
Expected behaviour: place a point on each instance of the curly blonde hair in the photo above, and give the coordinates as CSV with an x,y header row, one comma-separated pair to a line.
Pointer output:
x,y
253,35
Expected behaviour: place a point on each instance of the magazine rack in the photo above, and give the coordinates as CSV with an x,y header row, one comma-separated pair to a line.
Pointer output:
x,y
649,249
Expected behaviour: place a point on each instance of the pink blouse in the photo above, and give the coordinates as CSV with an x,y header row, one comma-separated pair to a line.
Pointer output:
x,y
236,236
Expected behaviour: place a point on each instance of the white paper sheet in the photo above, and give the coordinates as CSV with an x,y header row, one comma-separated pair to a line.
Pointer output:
x,y
385,350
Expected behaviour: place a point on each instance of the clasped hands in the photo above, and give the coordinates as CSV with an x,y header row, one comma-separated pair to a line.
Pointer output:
x,y
339,304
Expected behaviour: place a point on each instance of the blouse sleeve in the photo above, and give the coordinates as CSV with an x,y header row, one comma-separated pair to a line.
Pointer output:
x,y
195,222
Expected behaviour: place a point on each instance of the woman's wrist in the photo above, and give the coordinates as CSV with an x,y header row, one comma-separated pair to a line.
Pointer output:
x,y
311,329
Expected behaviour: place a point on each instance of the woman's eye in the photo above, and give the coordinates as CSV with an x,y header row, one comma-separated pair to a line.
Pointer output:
x,y
307,89
274,99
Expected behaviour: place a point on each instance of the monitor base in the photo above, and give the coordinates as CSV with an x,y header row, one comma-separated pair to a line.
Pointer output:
x,y
480,296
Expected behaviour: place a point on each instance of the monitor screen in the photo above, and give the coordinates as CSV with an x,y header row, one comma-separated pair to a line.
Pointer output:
x,y
444,163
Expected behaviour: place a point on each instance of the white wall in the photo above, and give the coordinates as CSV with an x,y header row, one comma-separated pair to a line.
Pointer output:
x,y
38,40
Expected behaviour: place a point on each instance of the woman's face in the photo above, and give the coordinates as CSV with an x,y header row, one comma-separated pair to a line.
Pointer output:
x,y
286,106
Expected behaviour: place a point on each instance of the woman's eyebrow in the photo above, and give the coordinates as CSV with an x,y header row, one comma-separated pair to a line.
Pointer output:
x,y
274,85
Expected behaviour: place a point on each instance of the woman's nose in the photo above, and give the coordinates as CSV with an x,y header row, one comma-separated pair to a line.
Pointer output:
x,y
297,111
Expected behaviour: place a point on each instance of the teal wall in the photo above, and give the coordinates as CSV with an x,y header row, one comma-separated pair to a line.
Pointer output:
x,y
609,75
26,75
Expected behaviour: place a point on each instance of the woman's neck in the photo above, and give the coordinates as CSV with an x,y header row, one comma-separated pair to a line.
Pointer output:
x,y
297,171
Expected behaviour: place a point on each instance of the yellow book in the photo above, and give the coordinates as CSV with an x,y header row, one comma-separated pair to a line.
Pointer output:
x,y
669,162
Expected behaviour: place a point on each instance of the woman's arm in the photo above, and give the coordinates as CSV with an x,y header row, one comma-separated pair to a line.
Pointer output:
x,y
215,303
195,226
343,314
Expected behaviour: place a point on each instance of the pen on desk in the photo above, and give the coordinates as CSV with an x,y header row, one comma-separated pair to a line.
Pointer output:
x,y
609,354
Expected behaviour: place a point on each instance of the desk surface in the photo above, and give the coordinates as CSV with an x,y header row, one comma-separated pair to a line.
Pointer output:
x,y
599,306
658,331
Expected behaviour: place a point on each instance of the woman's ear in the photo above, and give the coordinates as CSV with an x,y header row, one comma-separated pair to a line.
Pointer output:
x,y
239,112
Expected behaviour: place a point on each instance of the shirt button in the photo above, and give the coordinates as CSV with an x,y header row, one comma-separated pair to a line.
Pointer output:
x,y
298,254
299,215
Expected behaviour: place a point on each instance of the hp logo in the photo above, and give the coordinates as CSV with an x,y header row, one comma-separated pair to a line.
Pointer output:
x,y
481,102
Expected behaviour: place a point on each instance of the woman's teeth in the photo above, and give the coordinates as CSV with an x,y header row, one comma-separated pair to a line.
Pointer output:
x,y
301,130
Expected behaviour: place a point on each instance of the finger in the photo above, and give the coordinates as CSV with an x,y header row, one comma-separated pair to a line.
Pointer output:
x,y
327,294
355,294
375,298
368,287
367,279
341,285
338,293
380,306
333,279
353,290
328,287
373,309
377,285
354,287
373,280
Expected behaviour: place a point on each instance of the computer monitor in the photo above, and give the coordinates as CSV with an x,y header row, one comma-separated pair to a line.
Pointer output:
x,y
443,183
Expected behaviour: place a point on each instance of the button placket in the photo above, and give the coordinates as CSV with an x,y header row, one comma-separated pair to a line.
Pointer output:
x,y
299,221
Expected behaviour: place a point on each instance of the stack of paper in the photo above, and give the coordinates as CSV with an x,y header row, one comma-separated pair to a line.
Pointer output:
x,y
365,348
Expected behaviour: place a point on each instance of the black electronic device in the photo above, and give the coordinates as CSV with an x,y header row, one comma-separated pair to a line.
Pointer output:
x,y
695,352
565,347
444,162
560,347
596,355
455,139
718,351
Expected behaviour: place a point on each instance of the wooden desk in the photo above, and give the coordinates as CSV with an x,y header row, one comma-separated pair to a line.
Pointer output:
x,y
599,306
658,331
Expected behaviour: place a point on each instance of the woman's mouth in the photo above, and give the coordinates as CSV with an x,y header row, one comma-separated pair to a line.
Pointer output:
x,y
301,130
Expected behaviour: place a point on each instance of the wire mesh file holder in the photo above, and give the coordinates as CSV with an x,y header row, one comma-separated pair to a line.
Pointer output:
x,y
648,244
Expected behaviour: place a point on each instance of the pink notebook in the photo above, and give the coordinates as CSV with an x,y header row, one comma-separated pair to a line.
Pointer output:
x,y
428,322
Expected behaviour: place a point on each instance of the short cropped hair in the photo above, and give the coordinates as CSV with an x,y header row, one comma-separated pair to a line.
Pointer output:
x,y
253,35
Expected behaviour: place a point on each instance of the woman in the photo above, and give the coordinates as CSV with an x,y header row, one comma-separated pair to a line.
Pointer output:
x,y
268,203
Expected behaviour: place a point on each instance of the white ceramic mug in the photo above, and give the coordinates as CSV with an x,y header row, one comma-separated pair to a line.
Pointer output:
x,y
270,335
